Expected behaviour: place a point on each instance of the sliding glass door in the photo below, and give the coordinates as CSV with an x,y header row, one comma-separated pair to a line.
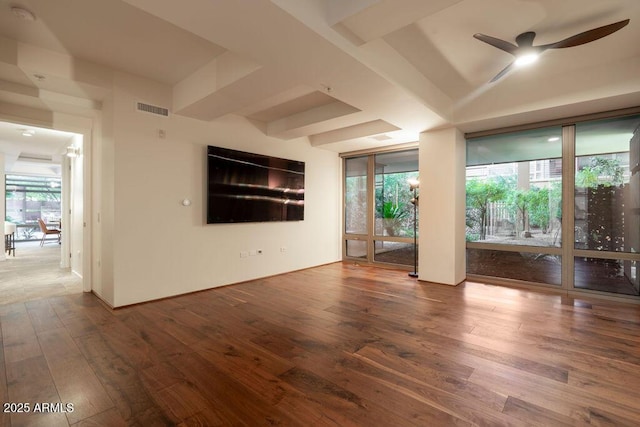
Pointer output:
x,y
380,216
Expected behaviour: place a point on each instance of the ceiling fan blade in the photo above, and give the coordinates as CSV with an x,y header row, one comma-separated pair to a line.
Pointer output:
x,y
500,44
504,71
587,36
525,39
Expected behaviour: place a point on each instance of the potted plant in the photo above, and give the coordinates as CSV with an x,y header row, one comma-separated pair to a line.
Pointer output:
x,y
392,216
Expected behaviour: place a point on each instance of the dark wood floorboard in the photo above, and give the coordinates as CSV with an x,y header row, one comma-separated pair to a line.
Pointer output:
x,y
337,345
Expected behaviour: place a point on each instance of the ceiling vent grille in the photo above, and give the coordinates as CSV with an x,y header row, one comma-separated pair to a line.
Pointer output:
x,y
31,157
152,109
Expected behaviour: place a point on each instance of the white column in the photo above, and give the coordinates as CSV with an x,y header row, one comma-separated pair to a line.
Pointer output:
x,y
442,257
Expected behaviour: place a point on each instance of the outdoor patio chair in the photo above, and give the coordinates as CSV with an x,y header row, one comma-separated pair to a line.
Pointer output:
x,y
46,231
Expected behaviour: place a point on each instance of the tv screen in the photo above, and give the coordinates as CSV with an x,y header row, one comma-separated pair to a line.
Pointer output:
x,y
246,187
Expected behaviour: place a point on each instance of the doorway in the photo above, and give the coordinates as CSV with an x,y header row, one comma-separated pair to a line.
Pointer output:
x,y
44,171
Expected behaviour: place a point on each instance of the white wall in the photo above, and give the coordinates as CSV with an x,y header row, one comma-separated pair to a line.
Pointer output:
x,y
79,238
102,218
161,248
77,208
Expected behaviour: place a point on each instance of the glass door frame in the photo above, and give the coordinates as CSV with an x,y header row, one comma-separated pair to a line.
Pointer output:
x,y
370,237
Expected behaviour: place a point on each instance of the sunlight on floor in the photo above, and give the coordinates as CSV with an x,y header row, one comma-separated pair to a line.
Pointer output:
x,y
35,273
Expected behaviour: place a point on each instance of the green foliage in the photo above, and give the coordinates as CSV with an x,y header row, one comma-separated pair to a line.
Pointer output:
x,y
393,217
539,205
472,237
479,195
539,208
394,188
600,171
390,210
393,202
519,201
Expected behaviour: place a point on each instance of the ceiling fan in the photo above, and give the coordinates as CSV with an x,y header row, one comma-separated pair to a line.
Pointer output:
x,y
525,52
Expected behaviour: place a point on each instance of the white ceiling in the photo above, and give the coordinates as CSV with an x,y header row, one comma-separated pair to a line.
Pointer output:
x,y
32,150
345,75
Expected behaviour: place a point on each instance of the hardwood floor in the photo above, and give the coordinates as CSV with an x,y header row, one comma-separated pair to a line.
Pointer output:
x,y
336,345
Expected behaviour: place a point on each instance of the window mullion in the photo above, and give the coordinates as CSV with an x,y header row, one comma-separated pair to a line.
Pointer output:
x,y
371,208
568,207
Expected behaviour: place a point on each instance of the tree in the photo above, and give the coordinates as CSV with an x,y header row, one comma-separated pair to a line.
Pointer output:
x,y
539,208
519,201
479,195
600,171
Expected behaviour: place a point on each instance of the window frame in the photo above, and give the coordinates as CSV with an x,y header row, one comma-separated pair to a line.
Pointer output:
x,y
370,236
567,251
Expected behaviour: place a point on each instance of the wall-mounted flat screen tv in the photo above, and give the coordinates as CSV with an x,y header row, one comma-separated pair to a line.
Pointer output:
x,y
246,187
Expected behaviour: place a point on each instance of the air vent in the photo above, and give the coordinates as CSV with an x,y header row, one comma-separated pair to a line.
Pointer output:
x,y
152,109
31,157
381,137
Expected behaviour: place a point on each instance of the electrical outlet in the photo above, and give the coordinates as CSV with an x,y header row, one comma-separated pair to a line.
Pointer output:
x,y
244,254
252,252
283,249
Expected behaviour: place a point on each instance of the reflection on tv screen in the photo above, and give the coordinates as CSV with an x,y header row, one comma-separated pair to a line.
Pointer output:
x,y
247,187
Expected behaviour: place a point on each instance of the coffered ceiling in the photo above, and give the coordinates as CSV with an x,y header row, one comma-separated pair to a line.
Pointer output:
x,y
343,75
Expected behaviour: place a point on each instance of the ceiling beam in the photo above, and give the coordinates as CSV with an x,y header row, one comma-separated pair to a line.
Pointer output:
x,y
371,128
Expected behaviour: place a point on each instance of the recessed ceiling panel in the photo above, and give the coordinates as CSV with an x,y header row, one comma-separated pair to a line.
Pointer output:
x,y
375,127
294,106
114,34
388,16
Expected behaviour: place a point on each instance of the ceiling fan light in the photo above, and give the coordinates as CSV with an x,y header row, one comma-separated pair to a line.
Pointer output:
x,y
526,59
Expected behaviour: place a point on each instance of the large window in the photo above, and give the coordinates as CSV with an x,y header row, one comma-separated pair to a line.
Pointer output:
x,y
380,214
29,198
514,206
557,206
607,212
514,188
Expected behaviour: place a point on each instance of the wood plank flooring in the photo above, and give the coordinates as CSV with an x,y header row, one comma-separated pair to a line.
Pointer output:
x,y
337,345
